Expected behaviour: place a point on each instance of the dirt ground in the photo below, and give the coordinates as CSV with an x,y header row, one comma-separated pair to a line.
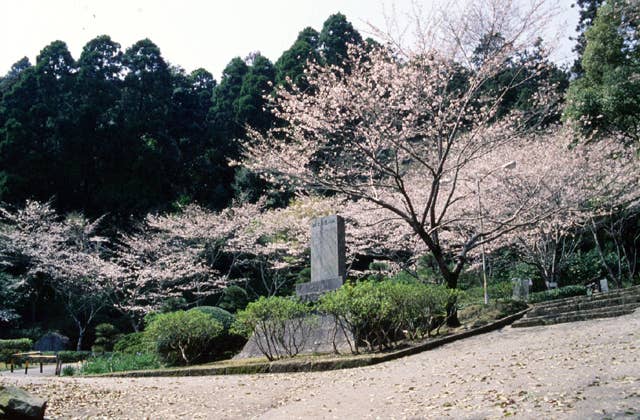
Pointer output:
x,y
580,370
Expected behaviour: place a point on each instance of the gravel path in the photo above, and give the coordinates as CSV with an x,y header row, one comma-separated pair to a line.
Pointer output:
x,y
580,370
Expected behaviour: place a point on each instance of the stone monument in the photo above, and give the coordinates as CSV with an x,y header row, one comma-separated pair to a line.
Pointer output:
x,y
328,268
520,289
328,272
52,341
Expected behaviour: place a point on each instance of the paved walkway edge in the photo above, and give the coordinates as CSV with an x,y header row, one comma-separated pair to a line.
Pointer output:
x,y
306,365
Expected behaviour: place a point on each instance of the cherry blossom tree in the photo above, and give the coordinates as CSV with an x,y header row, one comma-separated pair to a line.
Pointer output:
x,y
67,252
168,256
615,225
407,131
277,241
570,185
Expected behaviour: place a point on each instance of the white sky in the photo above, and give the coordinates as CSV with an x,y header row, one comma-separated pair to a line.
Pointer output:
x,y
194,33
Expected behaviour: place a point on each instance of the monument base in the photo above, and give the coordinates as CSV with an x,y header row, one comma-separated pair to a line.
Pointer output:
x,y
321,340
314,289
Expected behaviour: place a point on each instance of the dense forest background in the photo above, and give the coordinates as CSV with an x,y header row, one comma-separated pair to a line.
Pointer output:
x,y
124,132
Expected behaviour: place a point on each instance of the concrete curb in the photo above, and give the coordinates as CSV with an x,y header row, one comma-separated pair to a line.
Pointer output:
x,y
307,365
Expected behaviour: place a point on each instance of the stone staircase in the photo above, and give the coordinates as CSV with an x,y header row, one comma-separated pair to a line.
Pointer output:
x,y
581,308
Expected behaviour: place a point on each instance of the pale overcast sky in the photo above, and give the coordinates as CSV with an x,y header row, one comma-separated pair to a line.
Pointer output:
x,y
191,33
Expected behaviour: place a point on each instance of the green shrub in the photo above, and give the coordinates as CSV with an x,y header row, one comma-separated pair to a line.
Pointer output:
x,y
234,298
182,337
133,343
379,314
118,362
280,325
10,347
479,314
581,268
106,336
227,343
219,314
68,356
496,291
34,333
560,293
68,371
21,344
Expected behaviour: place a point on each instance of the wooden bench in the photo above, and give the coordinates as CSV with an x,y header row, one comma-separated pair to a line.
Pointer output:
x,y
36,357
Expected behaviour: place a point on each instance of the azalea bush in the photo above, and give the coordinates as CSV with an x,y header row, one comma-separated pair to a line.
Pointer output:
x,y
182,338
280,325
379,314
227,343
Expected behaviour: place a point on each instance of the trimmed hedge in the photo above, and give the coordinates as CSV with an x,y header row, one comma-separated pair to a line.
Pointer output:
x,y
9,347
219,314
21,344
560,293
227,343
69,356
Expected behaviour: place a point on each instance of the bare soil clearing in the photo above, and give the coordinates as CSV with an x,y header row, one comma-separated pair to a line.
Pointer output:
x,y
579,370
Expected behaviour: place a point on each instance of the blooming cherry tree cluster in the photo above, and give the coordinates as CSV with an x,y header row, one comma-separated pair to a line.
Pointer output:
x,y
67,252
561,185
398,133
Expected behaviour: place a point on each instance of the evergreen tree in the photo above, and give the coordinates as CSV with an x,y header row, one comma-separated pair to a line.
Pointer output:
x,y
149,156
97,122
587,14
521,77
292,62
7,82
37,123
337,32
607,96
199,176
257,83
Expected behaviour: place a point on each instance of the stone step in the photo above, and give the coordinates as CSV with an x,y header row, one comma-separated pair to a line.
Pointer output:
x,y
586,303
630,291
582,315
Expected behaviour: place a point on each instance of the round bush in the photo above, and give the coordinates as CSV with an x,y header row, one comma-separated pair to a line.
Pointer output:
x,y
219,314
280,325
378,314
180,337
133,343
227,344
234,298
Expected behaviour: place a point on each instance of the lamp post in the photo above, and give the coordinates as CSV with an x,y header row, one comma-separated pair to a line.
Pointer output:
x,y
508,165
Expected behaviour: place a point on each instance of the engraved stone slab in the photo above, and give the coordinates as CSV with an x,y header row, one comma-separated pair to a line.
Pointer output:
x,y
327,248
520,289
328,269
